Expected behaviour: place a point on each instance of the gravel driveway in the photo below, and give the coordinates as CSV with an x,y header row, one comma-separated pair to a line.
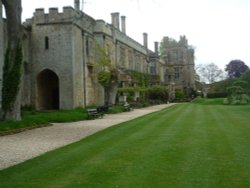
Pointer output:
x,y
20,147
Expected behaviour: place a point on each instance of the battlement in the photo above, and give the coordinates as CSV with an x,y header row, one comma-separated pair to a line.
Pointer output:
x,y
171,43
54,15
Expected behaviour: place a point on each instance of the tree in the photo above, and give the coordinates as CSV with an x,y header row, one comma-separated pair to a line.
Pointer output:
x,y
237,93
13,61
108,76
209,73
236,68
246,76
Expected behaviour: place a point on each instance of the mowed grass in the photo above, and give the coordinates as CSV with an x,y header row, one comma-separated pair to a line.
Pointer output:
x,y
186,146
33,119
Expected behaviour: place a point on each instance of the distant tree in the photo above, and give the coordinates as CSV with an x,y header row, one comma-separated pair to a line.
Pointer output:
x,y
236,68
221,86
238,93
246,76
209,73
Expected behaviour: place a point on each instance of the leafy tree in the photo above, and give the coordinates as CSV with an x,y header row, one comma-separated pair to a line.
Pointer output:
x,y
237,93
221,86
236,68
108,75
11,99
246,77
209,73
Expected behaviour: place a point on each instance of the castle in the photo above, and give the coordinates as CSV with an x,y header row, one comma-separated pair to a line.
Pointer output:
x,y
61,51
179,60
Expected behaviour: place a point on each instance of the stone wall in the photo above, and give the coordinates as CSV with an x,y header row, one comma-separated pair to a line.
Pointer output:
x,y
57,58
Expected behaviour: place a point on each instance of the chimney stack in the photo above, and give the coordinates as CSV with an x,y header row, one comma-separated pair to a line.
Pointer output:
x,y
123,20
145,40
115,20
156,47
77,4
1,9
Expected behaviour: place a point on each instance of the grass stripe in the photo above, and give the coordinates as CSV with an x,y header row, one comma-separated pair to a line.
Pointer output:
x,y
187,145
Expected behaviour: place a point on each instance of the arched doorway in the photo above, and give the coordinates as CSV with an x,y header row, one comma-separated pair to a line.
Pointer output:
x,y
48,90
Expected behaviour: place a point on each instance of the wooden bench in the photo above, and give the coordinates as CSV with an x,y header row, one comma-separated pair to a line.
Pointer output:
x,y
93,113
102,109
127,107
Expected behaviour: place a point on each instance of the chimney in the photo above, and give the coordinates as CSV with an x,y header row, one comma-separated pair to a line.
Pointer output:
x,y
77,4
115,20
156,47
1,9
123,20
145,40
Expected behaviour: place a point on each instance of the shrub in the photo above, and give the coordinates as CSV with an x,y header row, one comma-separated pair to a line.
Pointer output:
x,y
217,95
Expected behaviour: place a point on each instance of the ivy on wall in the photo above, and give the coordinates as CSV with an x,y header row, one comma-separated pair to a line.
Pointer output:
x,y
154,92
141,78
144,79
11,77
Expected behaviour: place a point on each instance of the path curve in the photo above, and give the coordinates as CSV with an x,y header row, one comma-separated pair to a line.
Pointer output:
x,y
22,146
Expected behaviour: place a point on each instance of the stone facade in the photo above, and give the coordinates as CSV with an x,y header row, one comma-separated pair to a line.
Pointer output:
x,y
61,53
179,60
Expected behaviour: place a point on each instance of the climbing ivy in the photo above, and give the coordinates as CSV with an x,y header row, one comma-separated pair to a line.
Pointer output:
x,y
11,77
144,79
141,78
104,78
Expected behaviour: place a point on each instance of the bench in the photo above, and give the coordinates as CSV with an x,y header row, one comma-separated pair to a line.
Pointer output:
x,y
102,109
93,113
127,107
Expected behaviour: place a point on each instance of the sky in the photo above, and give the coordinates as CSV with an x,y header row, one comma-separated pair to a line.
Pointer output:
x,y
218,29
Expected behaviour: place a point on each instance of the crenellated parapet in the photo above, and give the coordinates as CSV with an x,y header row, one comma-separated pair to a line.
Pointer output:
x,y
54,16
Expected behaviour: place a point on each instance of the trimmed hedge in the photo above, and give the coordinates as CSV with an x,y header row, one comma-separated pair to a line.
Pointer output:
x,y
217,95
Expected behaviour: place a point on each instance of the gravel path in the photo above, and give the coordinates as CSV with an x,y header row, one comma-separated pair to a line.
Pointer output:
x,y
20,147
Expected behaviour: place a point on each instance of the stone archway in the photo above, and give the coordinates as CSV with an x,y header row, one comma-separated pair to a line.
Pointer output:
x,y
47,90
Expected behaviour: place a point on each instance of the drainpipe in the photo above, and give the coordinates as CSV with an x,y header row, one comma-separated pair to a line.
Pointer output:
x,y
84,71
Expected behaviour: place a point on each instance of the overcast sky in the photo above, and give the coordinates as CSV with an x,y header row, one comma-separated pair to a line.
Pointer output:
x,y
218,29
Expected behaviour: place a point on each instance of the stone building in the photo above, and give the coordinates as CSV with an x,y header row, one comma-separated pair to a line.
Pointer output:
x,y
179,60
61,50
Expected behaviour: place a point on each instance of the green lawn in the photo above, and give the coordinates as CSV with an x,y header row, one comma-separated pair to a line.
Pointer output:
x,y
31,119
186,146
34,119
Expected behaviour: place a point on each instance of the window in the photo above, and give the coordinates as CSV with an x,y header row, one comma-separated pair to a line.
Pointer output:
x,y
46,43
176,76
87,46
177,73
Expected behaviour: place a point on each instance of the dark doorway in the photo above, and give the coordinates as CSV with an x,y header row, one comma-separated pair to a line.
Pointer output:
x,y
48,90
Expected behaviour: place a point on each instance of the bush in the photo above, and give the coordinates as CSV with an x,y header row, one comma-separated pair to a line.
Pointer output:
x,y
216,95
180,96
158,93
